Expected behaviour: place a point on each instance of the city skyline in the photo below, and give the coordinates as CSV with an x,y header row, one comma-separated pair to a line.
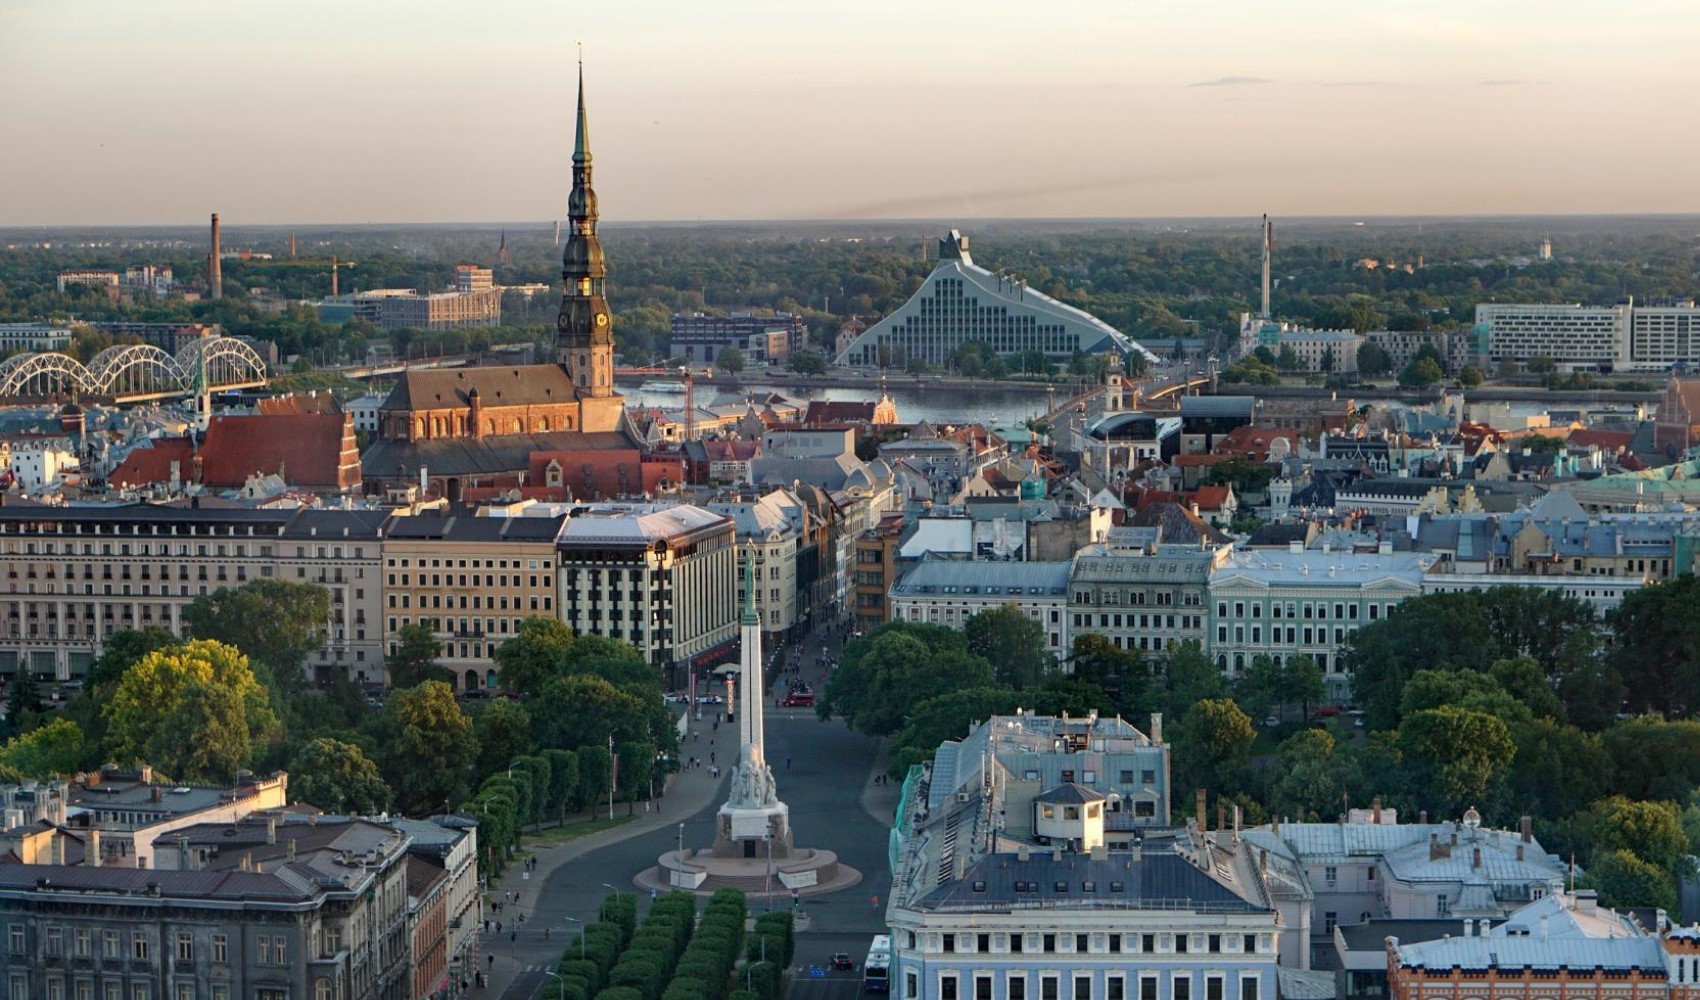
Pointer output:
x,y
739,110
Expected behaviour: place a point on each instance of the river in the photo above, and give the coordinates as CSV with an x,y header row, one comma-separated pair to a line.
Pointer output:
x,y
914,403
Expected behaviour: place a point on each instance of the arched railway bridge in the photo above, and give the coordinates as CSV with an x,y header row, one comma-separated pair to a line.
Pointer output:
x,y
132,373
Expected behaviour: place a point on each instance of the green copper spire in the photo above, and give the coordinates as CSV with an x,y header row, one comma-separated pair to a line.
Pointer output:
x,y
750,616
581,146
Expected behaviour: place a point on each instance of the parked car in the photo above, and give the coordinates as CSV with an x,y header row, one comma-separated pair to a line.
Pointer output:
x,y
1328,711
1271,722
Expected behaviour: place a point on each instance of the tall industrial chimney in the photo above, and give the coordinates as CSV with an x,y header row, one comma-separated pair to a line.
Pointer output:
x,y
1268,248
215,269
333,275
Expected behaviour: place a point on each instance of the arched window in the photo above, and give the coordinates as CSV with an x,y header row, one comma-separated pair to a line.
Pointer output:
x,y
518,427
1239,663
543,424
321,989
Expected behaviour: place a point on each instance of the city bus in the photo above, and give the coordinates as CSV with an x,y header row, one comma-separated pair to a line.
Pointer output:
x,y
876,971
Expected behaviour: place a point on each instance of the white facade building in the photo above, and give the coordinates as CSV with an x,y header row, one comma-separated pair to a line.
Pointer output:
x,y
1620,337
948,592
771,526
1304,602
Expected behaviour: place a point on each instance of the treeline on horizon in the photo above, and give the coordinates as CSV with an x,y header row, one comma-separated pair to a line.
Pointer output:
x,y
1157,281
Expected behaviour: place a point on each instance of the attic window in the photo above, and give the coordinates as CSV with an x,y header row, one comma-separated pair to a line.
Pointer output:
x,y
1118,886
1061,887
1088,886
979,885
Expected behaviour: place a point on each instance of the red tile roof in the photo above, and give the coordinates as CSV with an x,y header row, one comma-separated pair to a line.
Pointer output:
x,y
322,402
1255,442
826,411
315,451
1603,440
1211,497
611,473
146,466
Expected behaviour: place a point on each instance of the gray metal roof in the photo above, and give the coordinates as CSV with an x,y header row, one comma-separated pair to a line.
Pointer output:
x,y
1156,879
1014,580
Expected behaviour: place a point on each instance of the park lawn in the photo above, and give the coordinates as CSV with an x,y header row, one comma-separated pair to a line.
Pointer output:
x,y
556,835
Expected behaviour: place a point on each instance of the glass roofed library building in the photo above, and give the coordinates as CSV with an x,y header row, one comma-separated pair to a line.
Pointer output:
x,y
960,302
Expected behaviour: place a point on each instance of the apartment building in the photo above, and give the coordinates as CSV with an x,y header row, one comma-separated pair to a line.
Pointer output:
x,y
1304,602
473,580
663,578
876,571
1141,593
75,575
771,526
261,910
948,592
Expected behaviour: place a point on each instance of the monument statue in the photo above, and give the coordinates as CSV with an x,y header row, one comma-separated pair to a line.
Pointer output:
x,y
752,813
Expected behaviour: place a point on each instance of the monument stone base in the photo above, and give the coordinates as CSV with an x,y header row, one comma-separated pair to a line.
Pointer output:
x,y
744,832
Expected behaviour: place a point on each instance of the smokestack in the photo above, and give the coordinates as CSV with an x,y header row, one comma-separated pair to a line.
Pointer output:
x,y
1268,248
333,275
292,245
215,269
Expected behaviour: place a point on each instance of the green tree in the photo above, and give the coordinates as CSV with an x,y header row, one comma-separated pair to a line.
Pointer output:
x,y
337,777
1373,360
1303,680
1012,642
1314,775
1624,880
1470,377
429,748
415,658
1652,831
1454,757
730,360
1263,686
53,750
503,729
194,712
277,623
945,717
1421,372
582,710
1657,630
1189,677
897,666
1540,364
1214,743
535,655
808,363
1121,674
1557,770
1652,758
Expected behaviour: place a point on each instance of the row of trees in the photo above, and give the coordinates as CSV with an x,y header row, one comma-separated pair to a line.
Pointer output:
x,y
234,698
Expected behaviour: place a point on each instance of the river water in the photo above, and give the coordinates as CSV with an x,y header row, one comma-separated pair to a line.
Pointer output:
x,y
990,405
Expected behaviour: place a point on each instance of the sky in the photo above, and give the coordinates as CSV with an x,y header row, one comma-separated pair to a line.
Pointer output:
x,y
352,111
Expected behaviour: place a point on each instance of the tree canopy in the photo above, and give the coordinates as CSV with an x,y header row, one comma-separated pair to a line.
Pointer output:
x,y
195,712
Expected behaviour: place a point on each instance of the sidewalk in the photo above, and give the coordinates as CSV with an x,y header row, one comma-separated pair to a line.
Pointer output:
x,y
688,793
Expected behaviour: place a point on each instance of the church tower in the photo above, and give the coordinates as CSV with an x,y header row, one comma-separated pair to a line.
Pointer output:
x,y
584,331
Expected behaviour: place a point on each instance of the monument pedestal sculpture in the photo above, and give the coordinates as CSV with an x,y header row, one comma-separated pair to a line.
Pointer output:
x,y
752,831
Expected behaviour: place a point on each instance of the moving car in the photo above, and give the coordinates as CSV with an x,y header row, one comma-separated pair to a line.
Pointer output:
x,y
799,699
842,960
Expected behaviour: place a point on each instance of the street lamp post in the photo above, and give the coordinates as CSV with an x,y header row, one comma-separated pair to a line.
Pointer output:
x,y
580,923
560,991
767,879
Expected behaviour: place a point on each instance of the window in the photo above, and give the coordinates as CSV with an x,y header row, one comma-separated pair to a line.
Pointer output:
x,y
1248,989
1115,988
1330,873
1115,939
1181,942
185,948
1329,919
983,943
949,942
263,944
220,949
1080,943
109,946
1148,943
1183,987
322,989
1050,943
1213,988
1248,943
1047,988
185,991
947,988
1215,942
83,943
1147,988
1017,986
1017,942
141,991
139,946
1082,988
56,941
16,940
982,988
911,986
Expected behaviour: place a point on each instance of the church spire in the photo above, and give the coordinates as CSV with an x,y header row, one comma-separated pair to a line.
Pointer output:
x,y
584,331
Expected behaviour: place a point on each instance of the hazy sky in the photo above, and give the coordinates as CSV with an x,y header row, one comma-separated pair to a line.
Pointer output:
x,y
300,111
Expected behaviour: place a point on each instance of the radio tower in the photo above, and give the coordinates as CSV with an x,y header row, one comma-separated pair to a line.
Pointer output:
x,y
690,405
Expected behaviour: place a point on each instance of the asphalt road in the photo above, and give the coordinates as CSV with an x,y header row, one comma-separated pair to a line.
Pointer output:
x,y
822,771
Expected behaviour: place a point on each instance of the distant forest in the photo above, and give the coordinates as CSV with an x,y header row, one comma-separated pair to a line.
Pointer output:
x,y
1159,281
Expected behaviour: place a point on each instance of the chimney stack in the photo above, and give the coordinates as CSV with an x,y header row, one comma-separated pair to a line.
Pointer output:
x,y
1475,857
1221,813
1236,823
1375,807
1157,727
1469,927
1199,807
215,267
91,848
1526,826
271,829
1422,817
333,276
